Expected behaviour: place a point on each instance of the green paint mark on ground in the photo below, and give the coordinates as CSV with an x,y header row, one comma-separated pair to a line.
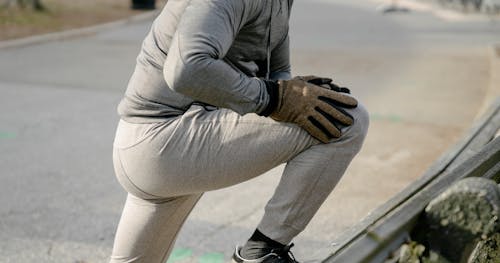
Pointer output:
x,y
212,258
7,135
375,116
179,254
395,118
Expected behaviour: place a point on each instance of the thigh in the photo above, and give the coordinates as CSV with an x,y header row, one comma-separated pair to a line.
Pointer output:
x,y
206,150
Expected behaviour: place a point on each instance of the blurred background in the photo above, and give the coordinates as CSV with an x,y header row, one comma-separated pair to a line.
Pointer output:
x,y
425,69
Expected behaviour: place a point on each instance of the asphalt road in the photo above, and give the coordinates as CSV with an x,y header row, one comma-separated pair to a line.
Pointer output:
x,y
422,78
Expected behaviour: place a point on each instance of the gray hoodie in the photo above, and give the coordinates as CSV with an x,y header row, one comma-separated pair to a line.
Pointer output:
x,y
209,51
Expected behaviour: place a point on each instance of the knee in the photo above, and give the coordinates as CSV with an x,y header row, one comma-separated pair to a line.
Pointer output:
x,y
358,130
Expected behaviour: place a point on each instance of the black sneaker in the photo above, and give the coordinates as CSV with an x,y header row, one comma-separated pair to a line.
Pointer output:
x,y
283,255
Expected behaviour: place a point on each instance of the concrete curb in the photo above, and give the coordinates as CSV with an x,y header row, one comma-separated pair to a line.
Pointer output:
x,y
74,33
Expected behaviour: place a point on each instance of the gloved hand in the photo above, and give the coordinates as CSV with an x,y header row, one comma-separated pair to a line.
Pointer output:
x,y
325,83
315,109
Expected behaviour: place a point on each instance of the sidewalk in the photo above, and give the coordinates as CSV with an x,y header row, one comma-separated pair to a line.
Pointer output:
x,y
422,79
441,11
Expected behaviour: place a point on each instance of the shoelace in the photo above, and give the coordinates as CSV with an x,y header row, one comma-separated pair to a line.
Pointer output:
x,y
285,253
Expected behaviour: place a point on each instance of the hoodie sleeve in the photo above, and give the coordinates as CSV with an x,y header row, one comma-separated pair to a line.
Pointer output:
x,y
194,65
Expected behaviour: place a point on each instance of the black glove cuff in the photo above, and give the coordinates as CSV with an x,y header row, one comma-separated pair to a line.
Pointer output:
x,y
272,88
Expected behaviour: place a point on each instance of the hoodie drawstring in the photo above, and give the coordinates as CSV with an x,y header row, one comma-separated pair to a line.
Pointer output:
x,y
268,71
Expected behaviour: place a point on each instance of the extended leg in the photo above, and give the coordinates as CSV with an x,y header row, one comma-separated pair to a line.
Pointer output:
x,y
148,228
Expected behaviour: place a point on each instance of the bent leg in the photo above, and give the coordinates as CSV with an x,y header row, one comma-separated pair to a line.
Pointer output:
x,y
148,228
309,178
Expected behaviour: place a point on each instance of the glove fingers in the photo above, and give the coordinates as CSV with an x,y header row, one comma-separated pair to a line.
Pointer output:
x,y
324,83
315,80
315,108
332,87
335,114
320,81
339,114
336,88
326,123
316,130
345,90
337,99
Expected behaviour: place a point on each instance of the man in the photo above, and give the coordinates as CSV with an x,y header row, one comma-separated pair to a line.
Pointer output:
x,y
211,104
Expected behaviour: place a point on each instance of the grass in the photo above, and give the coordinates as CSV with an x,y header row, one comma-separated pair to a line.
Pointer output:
x,y
62,15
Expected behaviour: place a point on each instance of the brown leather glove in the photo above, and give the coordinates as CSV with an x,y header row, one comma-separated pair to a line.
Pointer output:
x,y
324,82
315,109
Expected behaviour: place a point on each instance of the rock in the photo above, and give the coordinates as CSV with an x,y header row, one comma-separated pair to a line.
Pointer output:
x,y
467,211
411,253
487,251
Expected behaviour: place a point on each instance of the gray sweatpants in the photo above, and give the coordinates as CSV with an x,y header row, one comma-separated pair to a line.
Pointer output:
x,y
166,166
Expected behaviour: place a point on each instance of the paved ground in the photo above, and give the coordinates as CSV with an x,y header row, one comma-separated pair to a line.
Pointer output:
x,y
422,78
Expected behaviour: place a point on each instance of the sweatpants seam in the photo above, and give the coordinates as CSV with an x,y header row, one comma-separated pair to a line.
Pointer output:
x,y
130,181
149,135
134,144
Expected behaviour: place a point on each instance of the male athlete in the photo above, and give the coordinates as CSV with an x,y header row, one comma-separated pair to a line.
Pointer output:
x,y
212,103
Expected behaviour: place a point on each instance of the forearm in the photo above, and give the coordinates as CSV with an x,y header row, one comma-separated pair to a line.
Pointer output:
x,y
214,82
